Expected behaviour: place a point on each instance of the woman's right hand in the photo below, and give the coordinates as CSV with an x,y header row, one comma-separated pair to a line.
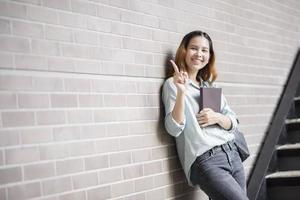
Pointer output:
x,y
180,78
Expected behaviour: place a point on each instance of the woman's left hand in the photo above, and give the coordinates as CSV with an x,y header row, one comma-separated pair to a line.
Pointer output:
x,y
207,117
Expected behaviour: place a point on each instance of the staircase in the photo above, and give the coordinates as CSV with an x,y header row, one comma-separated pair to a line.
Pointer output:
x,y
283,176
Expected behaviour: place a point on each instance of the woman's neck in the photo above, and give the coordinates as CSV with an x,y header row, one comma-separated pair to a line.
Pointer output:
x,y
193,77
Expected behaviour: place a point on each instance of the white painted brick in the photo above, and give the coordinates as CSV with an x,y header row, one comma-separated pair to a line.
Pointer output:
x,y
110,41
16,119
85,180
96,162
141,155
43,47
133,171
93,131
66,133
54,151
69,166
33,101
6,60
22,155
99,193
139,19
50,117
153,168
4,26
78,85
42,14
9,138
101,86
122,188
48,84
57,185
30,62
72,20
70,50
12,9
107,145
110,175
27,29
144,184
98,24
86,37
8,101
61,64
58,33
117,159
82,148
3,193
73,196
86,66
109,12
80,6
36,135
58,4
105,115
135,70
37,171
24,191
120,3
63,100
10,175
15,82
114,100
117,129
14,44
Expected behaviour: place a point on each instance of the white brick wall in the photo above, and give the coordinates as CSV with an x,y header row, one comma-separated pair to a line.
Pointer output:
x,y
80,88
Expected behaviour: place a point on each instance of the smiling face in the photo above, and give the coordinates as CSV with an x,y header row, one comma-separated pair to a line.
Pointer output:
x,y
197,54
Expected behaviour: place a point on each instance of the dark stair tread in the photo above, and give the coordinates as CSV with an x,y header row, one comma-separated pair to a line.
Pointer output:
x,y
296,98
292,121
284,178
288,150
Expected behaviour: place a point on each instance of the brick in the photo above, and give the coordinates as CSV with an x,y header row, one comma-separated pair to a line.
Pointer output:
x,y
14,82
83,7
22,155
120,3
110,41
30,62
63,100
61,64
100,193
110,176
126,86
105,115
57,185
88,66
140,19
14,44
73,196
81,148
27,29
156,194
162,179
4,26
107,12
133,171
8,101
98,24
111,68
54,151
90,100
86,37
66,133
17,119
36,135
141,196
107,145
69,166
80,116
117,129
84,180
42,14
1,159
45,47
58,4
102,86
141,155
3,193
6,60
58,33
10,175
93,131
11,9
33,100
39,171
77,85
96,162
136,100
116,100
24,191
48,84
50,117
134,70
153,168
72,20
144,184
123,56
123,188
120,158
9,138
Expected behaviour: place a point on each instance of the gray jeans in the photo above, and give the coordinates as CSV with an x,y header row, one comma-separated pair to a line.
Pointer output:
x,y
220,174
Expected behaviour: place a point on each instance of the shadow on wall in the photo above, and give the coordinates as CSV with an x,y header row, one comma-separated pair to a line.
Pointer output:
x,y
179,186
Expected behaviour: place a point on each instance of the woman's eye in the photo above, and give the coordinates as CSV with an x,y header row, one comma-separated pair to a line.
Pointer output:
x,y
193,48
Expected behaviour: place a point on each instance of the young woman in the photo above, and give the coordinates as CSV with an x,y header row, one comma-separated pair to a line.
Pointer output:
x,y
204,138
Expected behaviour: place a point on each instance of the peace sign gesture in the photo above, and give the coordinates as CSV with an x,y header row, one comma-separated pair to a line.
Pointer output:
x,y
179,78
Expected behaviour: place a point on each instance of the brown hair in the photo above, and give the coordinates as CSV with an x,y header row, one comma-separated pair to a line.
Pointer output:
x,y
209,72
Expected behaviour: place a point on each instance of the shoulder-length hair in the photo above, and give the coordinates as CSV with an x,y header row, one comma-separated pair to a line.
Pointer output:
x,y
207,73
